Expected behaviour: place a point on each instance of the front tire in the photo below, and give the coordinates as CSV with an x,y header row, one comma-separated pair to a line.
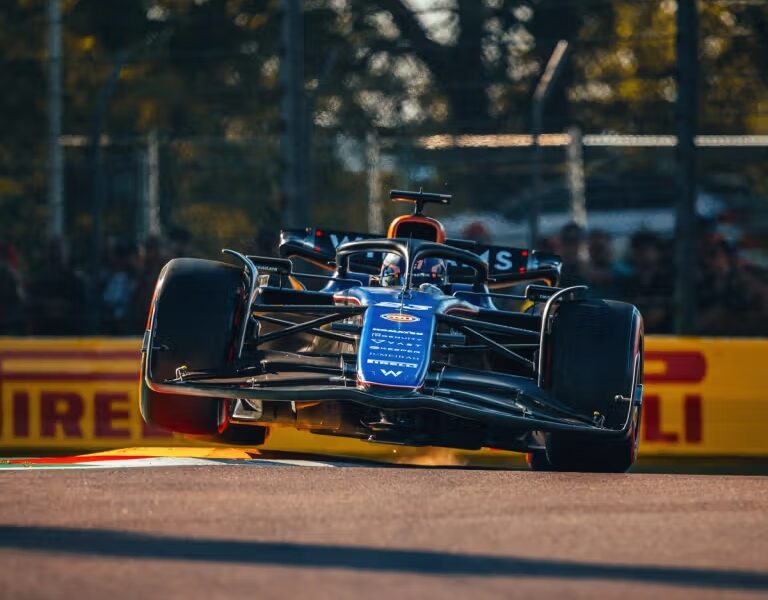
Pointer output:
x,y
197,312
595,354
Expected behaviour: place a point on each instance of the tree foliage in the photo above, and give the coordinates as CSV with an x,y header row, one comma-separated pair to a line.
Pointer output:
x,y
204,75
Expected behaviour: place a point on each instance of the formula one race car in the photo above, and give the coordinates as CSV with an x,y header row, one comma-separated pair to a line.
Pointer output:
x,y
408,339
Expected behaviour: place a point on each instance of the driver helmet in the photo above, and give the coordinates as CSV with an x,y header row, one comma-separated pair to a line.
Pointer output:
x,y
425,270
430,270
392,270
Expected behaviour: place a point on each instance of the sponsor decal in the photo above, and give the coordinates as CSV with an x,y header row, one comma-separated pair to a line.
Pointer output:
x,y
390,373
394,333
392,363
674,367
404,306
342,238
500,260
400,318
72,393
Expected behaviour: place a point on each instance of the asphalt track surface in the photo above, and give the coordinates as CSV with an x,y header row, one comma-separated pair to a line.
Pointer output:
x,y
387,532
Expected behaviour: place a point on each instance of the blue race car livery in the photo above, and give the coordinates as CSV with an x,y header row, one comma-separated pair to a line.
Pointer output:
x,y
409,338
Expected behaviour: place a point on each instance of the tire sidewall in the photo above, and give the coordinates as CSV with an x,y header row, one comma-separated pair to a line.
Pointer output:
x,y
615,366
193,314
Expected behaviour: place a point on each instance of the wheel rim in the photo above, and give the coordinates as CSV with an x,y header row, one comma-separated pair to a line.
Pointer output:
x,y
637,394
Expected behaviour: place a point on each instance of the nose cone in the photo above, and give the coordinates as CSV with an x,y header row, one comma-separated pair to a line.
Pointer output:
x,y
396,344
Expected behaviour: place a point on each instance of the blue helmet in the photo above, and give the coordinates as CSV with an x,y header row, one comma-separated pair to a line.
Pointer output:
x,y
430,270
392,270
425,270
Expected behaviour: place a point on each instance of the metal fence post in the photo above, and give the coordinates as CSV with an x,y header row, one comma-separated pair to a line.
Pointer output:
x,y
293,115
575,167
55,154
686,115
543,88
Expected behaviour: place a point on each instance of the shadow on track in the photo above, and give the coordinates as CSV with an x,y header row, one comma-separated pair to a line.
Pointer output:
x,y
119,544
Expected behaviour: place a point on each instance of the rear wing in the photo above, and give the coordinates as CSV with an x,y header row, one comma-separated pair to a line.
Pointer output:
x,y
318,246
507,266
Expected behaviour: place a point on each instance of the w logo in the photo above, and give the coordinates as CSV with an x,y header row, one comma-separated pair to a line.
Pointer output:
x,y
389,373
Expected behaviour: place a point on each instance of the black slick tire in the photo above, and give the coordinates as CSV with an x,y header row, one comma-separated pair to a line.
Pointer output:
x,y
197,312
595,354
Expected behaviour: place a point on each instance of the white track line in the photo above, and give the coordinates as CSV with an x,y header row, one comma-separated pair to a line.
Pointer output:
x,y
176,461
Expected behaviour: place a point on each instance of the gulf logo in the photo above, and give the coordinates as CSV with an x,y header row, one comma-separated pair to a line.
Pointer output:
x,y
400,317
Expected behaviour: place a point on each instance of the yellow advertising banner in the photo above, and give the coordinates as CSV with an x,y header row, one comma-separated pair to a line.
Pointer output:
x,y
703,397
72,393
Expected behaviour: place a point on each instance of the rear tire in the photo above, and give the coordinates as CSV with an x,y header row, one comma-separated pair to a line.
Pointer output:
x,y
595,352
197,311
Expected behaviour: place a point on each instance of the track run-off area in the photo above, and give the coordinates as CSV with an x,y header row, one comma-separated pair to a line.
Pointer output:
x,y
202,526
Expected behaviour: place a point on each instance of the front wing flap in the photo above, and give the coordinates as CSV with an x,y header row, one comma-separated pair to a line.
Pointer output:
x,y
505,400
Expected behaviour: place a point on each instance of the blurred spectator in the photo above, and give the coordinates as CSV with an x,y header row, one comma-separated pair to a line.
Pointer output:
x,y
56,295
152,257
573,251
477,232
180,241
649,282
731,299
119,285
11,292
732,296
757,281
547,244
9,255
266,243
601,270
